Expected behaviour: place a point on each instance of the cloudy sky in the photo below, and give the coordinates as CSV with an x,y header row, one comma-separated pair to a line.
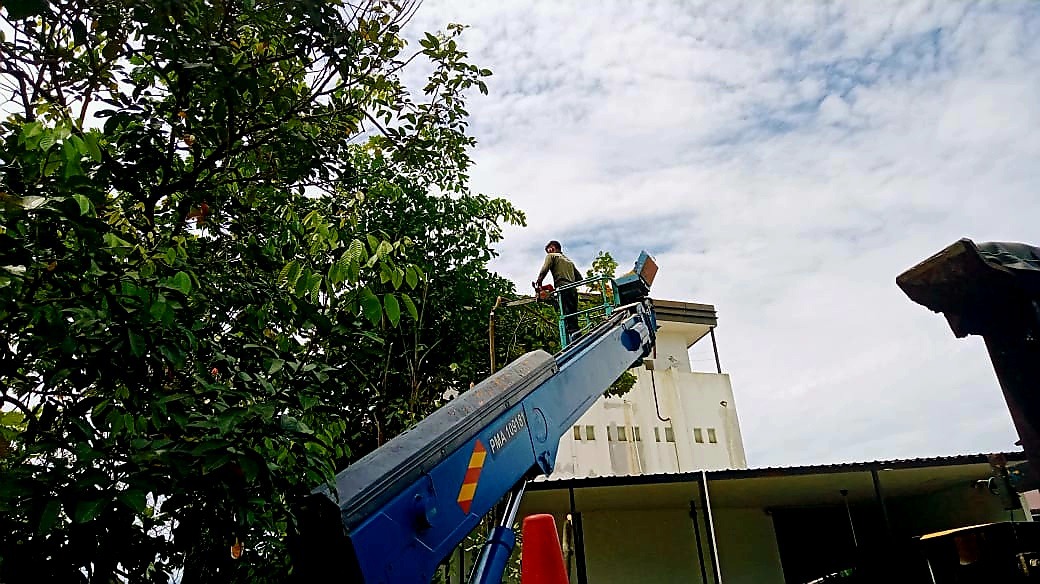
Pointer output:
x,y
784,161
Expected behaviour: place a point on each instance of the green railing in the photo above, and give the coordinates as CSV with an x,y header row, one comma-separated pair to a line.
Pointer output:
x,y
604,298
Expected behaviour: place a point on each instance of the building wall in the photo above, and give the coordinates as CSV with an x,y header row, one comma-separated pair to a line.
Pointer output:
x,y
668,411
659,546
653,546
748,552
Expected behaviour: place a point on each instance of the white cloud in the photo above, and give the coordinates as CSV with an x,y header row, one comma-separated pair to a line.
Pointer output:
x,y
784,161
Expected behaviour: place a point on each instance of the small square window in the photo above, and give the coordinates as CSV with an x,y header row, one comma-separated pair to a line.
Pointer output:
x,y
577,432
657,433
610,433
622,434
698,436
711,436
635,434
669,434
590,432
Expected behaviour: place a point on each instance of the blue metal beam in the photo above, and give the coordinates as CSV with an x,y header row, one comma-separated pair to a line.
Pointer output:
x,y
403,508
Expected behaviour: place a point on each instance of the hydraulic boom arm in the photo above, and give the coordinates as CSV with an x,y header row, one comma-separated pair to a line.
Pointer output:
x,y
399,511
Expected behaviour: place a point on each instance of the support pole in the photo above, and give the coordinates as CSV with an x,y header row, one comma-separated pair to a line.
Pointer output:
x,y
491,331
715,348
880,496
579,542
697,535
716,570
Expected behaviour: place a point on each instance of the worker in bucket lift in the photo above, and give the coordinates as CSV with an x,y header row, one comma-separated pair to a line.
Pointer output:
x,y
564,272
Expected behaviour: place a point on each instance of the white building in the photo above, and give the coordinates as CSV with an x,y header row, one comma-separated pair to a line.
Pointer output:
x,y
672,420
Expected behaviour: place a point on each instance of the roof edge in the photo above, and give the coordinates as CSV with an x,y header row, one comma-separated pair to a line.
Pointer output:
x,y
745,473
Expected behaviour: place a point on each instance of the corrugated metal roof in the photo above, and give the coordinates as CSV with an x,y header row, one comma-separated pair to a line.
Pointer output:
x,y
547,483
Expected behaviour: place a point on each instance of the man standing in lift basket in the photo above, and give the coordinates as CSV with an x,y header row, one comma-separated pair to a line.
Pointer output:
x,y
564,272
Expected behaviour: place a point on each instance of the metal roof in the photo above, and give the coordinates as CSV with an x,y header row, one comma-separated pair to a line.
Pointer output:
x,y
687,312
542,484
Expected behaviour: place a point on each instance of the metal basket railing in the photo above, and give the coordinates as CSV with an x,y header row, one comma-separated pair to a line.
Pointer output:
x,y
601,300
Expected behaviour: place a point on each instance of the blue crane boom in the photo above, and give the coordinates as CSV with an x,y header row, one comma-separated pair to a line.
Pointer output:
x,y
394,515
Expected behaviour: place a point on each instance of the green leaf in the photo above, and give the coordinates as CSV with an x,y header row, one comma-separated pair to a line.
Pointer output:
x,y
294,424
180,282
27,203
250,468
303,283
290,273
356,251
114,241
397,275
370,306
158,308
393,309
173,355
79,145
84,204
72,157
48,141
87,510
137,344
353,271
315,286
275,366
49,516
134,499
409,306
411,277
337,271
93,148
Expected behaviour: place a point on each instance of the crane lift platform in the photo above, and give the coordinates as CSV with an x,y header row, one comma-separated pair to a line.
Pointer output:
x,y
397,513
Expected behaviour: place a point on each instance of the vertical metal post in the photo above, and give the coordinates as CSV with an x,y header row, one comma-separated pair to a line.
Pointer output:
x,y
462,562
716,570
715,348
579,542
491,332
848,511
562,325
879,495
697,535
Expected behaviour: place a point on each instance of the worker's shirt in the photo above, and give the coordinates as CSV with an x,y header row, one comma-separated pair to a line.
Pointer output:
x,y
562,268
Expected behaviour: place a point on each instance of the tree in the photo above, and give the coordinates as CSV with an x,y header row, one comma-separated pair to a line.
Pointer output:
x,y
443,346
605,265
201,266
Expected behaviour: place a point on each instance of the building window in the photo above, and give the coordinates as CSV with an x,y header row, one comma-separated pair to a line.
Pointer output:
x,y
622,434
610,433
669,434
657,433
577,432
711,436
590,432
698,436
635,434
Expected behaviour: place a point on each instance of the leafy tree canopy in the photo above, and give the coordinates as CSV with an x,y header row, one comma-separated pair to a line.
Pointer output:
x,y
235,253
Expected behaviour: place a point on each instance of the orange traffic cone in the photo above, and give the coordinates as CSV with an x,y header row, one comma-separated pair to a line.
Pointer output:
x,y
541,561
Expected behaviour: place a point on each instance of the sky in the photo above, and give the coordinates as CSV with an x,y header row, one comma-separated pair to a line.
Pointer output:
x,y
784,162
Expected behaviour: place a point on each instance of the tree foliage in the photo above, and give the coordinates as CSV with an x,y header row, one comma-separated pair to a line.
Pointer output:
x,y
222,271
605,265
